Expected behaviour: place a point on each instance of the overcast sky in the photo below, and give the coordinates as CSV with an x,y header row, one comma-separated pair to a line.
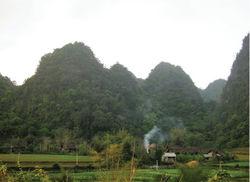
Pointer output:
x,y
201,36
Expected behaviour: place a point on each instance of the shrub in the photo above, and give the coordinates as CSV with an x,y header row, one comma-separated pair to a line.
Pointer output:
x,y
223,175
56,166
237,166
38,174
227,157
183,158
84,148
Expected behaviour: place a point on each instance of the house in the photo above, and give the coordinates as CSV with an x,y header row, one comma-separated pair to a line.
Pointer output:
x,y
168,157
208,156
187,150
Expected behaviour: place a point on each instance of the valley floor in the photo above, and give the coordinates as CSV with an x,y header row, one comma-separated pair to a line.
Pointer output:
x,y
238,170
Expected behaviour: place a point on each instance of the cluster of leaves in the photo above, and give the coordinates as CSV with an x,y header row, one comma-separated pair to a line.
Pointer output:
x,y
221,176
116,150
116,161
38,174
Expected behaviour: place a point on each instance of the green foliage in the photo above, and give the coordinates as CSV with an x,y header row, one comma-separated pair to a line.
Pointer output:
x,y
172,92
195,139
184,158
222,176
73,98
64,177
117,150
38,174
191,174
56,166
177,136
234,109
228,157
84,148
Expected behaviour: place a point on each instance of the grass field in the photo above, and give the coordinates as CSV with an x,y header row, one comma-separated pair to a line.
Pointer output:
x,y
236,164
238,174
149,175
242,154
45,160
141,175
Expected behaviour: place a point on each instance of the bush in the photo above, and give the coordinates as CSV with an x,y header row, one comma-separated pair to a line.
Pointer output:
x,y
183,158
84,148
223,175
56,166
237,166
227,157
38,174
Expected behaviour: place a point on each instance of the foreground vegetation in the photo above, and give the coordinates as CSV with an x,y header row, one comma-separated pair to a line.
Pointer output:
x,y
146,175
112,169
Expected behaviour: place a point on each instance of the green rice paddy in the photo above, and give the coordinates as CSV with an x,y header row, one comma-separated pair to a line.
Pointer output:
x,y
238,170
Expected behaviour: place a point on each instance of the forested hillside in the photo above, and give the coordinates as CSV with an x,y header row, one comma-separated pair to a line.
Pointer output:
x,y
213,91
5,85
233,127
7,97
172,93
73,98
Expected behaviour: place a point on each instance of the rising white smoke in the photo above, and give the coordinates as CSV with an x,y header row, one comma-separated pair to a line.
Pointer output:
x,y
148,136
162,130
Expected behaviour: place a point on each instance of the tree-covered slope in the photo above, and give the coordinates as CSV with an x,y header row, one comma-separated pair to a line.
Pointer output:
x,y
233,129
213,91
125,89
6,90
125,84
5,84
7,117
73,91
61,93
172,92
72,98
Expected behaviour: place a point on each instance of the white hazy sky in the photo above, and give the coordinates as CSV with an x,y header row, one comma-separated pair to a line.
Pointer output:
x,y
201,36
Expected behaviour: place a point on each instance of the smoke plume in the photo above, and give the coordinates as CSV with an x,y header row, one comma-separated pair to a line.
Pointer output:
x,y
148,136
161,131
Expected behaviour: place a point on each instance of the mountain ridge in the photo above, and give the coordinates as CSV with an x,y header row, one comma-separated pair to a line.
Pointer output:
x,y
73,93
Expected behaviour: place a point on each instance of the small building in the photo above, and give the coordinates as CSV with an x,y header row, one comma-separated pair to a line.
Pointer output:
x,y
187,150
168,157
208,156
